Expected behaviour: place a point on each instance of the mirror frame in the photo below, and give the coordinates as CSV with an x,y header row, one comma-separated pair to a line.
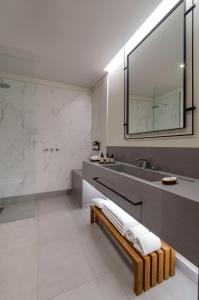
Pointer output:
x,y
168,132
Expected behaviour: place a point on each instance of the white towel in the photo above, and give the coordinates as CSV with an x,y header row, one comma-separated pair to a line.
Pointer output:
x,y
123,218
112,217
99,202
115,223
147,243
132,232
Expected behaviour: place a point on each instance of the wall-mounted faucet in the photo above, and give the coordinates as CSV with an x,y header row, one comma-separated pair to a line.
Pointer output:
x,y
51,149
143,163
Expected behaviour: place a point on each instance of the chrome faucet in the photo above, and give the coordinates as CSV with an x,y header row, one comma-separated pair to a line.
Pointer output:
x,y
143,163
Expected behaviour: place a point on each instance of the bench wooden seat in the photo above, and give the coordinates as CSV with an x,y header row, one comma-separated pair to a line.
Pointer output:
x,y
148,270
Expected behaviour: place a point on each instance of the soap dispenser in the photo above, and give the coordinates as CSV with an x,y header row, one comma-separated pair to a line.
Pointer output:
x,y
101,158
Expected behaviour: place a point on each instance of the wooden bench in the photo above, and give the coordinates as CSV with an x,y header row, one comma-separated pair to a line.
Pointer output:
x,y
149,269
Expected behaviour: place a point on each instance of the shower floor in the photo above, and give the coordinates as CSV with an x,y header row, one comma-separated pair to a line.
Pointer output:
x,y
19,210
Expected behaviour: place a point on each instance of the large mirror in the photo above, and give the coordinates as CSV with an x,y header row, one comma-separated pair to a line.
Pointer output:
x,y
155,78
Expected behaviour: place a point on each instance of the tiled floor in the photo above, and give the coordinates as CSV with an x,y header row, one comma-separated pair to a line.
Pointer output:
x,y
58,255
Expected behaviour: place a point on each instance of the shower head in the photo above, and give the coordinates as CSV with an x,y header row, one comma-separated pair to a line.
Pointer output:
x,y
4,85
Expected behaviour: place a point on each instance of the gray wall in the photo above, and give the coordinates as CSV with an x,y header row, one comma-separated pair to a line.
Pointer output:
x,y
183,161
116,105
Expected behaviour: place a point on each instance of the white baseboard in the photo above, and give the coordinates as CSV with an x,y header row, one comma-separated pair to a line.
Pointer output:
x,y
187,267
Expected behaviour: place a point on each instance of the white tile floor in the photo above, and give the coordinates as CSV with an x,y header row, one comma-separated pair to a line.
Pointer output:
x,y
58,255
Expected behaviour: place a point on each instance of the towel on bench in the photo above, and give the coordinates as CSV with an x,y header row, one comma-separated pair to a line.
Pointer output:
x,y
147,243
135,231
114,221
119,215
143,240
99,202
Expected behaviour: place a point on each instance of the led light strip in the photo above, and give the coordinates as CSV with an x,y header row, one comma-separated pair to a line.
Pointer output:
x,y
157,15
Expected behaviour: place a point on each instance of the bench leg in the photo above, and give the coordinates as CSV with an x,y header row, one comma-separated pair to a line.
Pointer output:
x,y
138,278
172,262
147,273
167,251
92,215
154,267
160,254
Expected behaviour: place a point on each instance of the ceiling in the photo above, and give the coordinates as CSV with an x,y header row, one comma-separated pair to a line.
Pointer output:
x,y
69,41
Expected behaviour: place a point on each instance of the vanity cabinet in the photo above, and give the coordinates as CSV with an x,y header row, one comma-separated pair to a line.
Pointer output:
x,y
170,216
148,212
113,186
180,225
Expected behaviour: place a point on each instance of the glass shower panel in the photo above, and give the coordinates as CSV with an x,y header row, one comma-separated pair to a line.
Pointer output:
x,y
17,140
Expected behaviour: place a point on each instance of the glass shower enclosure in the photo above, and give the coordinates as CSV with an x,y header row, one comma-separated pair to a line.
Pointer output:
x,y
17,139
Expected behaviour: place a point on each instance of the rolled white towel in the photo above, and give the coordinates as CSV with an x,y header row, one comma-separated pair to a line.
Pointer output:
x,y
99,202
147,243
114,222
135,231
123,218
109,214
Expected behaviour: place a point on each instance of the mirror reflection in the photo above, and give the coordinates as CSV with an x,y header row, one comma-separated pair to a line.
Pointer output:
x,y
156,78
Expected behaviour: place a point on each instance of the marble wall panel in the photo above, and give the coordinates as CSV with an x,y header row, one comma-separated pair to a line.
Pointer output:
x,y
35,117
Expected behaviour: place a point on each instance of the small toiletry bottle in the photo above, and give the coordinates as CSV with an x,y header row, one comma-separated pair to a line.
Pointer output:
x,y
107,158
112,158
102,158
96,145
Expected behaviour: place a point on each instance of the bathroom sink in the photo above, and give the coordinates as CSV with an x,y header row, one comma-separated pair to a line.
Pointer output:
x,y
145,174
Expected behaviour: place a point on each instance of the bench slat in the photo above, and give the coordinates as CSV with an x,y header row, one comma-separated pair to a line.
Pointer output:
x,y
166,250
147,272
138,278
172,259
92,215
172,262
154,268
149,269
160,254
